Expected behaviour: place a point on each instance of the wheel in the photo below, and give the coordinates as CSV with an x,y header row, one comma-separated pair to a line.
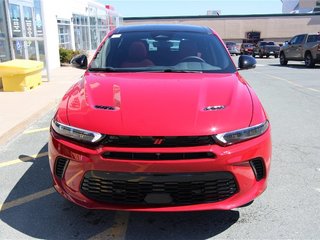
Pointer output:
x,y
283,60
268,55
308,60
192,59
260,55
276,56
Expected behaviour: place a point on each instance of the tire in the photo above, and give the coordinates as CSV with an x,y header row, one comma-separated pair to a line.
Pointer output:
x,y
267,55
308,60
283,60
260,55
276,56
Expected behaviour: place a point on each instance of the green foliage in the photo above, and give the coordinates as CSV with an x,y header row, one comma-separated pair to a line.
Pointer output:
x,y
67,54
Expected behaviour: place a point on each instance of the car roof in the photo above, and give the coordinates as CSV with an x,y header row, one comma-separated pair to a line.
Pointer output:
x,y
163,27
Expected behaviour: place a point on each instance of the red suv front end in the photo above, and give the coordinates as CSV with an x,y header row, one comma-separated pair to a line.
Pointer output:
x,y
148,131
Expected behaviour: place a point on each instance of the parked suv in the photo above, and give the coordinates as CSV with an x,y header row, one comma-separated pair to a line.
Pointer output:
x,y
303,47
267,49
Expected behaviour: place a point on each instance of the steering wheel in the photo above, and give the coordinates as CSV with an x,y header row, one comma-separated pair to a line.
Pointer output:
x,y
192,59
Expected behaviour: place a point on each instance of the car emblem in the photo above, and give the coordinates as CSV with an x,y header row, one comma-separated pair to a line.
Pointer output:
x,y
214,108
158,141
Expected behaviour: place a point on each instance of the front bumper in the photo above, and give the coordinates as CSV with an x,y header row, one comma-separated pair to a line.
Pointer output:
x,y
230,162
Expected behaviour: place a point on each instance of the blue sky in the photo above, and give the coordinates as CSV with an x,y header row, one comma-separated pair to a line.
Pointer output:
x,y
149,8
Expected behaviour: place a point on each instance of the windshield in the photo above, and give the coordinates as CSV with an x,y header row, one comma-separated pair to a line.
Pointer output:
x,y
267,43
162,51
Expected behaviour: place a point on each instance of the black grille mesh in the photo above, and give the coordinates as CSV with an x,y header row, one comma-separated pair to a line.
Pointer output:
x,y
157,156
169,141
128,188
258,168
61,164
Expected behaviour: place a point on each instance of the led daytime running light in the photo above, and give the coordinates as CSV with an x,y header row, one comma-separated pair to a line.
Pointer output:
x,y
240,135
76,133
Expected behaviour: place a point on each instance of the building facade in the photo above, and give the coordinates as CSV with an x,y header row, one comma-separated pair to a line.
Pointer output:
x,y
240,28
36,29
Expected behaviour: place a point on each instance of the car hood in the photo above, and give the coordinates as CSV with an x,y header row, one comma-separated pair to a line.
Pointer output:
x,y
160,104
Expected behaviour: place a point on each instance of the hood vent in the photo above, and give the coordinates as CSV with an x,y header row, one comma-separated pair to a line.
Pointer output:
x,y
213,108
110,108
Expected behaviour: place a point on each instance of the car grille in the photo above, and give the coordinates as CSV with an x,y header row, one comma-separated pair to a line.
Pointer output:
x,y
158,189
168,141
157,156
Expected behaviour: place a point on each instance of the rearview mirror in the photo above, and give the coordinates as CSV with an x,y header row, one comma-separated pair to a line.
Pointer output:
x,y
80,61
246,62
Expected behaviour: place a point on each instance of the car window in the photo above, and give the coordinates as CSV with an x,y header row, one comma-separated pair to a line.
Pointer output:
x,y
163,51
299,39
270,43
293,40
314,38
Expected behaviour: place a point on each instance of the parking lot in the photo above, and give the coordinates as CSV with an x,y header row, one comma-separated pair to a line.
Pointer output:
x,y
289,209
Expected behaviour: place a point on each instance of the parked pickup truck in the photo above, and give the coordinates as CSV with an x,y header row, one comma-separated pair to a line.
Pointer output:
x,y
264,48
303,47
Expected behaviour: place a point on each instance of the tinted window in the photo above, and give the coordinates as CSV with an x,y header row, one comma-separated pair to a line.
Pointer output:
x,y
270,43
314,38
163,51
298,39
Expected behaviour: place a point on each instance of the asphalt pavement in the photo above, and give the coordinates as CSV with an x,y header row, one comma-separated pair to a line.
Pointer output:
x,y
288,209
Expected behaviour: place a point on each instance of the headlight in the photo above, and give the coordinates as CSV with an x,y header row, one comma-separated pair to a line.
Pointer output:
x,y
240,135
76,133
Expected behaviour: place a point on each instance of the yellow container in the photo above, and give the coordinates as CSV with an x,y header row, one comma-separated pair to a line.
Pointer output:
x,y
20,75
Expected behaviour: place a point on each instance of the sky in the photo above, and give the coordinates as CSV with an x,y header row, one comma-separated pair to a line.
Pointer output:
x,y
150,8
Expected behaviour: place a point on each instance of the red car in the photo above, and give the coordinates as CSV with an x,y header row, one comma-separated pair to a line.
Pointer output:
x,y
246,48
161,121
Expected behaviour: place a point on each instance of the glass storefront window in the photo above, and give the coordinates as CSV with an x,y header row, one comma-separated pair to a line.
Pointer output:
x,y
15,17
4,41
81,32
27,29
64,33
19,49
37,11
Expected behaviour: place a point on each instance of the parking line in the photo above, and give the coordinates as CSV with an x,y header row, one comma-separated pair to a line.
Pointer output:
x,y
36,130
290,82
118,230
23,159
26,199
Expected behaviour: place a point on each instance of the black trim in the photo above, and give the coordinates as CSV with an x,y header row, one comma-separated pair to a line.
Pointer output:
x,y
60,166
158,155
158,188
258,168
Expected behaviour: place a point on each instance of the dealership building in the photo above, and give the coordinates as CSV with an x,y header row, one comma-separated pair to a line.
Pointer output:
x,y
36,29
240,28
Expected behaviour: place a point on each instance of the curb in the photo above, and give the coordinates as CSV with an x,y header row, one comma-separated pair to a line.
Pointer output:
x,y
14,131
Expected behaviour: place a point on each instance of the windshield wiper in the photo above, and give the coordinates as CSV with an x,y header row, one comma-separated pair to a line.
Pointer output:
x,y
104,69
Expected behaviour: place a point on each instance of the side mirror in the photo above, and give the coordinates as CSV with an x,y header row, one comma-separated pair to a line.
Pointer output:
x,y
80,61
246,62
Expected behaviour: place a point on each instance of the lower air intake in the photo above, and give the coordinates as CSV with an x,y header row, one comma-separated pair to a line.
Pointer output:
x,y
258,168
61,165
163,189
